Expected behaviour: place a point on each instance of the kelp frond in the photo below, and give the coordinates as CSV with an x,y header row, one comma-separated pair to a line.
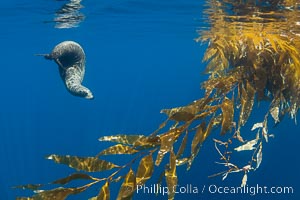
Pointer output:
x,y
253,54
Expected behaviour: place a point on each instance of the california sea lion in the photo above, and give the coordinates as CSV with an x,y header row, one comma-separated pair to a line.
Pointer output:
x,y
70,58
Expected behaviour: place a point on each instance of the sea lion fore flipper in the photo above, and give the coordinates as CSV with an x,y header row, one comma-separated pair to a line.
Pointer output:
x,y
59,64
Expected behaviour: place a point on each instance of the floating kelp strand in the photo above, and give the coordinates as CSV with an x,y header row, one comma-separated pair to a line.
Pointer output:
x,y
253,55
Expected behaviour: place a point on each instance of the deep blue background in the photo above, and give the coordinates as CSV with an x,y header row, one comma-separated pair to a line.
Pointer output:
x,y
141,57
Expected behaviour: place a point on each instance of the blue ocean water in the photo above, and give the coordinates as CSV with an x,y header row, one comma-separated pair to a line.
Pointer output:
x,y
141,58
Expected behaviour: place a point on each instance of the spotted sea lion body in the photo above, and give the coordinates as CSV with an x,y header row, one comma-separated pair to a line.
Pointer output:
x,y
70,58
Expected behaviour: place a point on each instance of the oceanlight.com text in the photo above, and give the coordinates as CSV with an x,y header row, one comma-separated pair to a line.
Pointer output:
x,y
251,190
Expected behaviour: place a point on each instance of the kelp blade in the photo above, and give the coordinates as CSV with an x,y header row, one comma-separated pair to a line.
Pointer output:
x,y
167,140
122,139
171,176
128,186
104,193
72,177
247,101
88,164
118,149
145,170
29,186
227,115
55,194
182,146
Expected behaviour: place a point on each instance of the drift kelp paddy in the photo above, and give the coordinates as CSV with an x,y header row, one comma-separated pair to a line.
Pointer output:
x,y
253,55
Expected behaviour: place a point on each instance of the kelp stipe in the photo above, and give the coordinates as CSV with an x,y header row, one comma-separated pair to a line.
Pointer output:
x,y
252,55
